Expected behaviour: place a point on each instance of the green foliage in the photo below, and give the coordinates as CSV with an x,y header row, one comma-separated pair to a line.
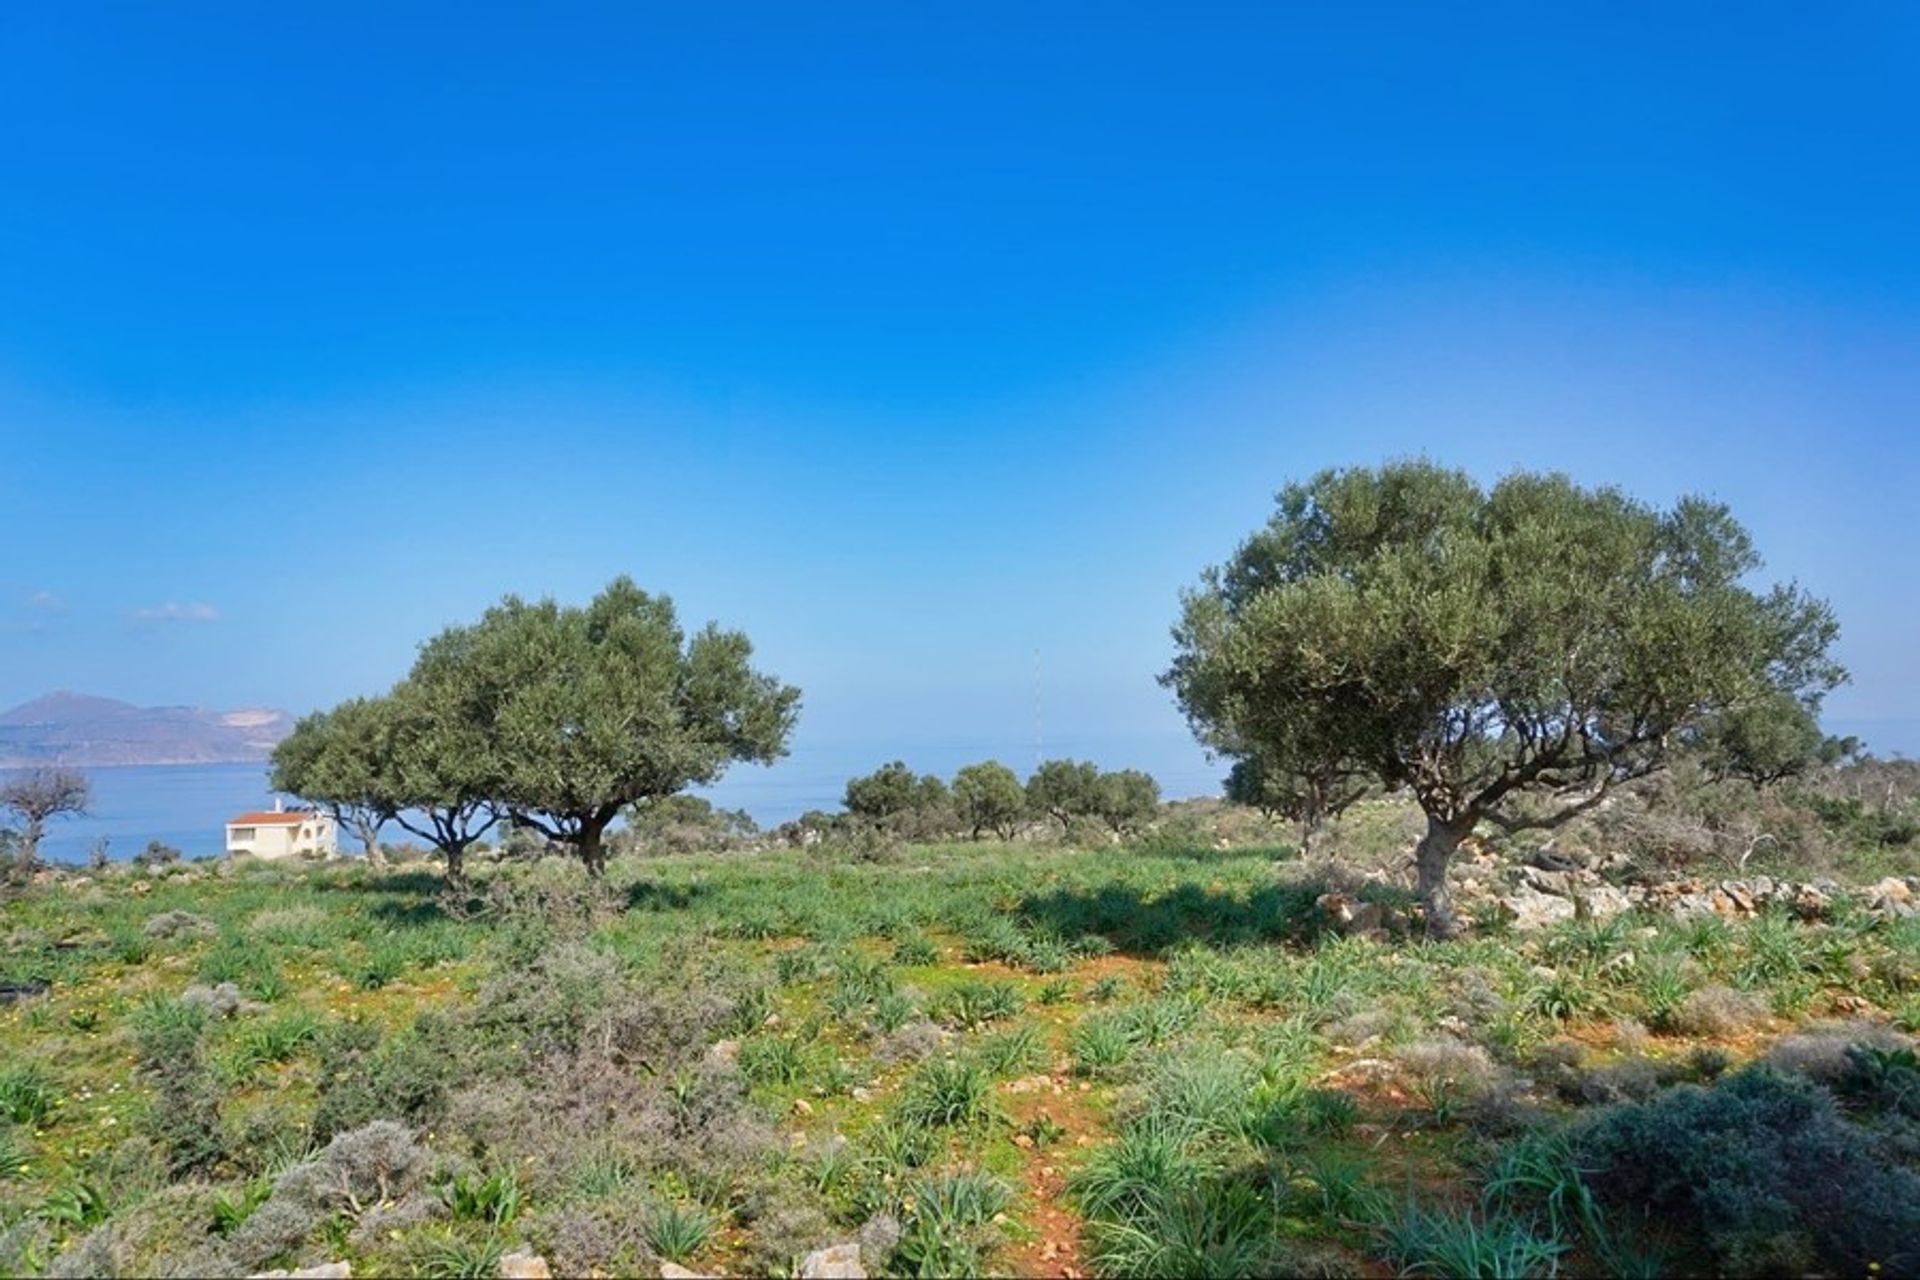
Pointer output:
x,y
492,1198
1755,1165
988,797
27,1093
948,1091
679,1231
1470,1245
1537,639
576,713
895,798
975,1002
946,1224
1064,790
1126,800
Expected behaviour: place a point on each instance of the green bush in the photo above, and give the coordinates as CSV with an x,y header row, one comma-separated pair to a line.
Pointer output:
x,y
1763,1168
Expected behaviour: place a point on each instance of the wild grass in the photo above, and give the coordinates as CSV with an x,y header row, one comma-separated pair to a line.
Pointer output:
x,y
733,1059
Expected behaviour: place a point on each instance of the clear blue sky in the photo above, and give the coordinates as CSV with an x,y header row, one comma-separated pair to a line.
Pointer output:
x,y
913,339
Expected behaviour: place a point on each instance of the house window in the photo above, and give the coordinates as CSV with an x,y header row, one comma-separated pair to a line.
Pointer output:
x,y
240,833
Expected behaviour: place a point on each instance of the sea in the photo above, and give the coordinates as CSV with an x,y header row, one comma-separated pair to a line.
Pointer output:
x,y
187,806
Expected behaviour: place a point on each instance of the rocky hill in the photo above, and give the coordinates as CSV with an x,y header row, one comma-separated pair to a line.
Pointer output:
x,y
77,729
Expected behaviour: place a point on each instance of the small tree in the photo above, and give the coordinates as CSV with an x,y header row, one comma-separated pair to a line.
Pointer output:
x,y
1508,655
341,760
584,711
1310,795
1064,790
893,796
989,797
37,796
1763,741
1126,800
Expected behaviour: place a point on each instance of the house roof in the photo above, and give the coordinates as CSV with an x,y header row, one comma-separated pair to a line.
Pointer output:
x,y
290,818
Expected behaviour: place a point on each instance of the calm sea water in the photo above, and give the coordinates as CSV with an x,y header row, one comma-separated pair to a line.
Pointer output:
x,y
187,806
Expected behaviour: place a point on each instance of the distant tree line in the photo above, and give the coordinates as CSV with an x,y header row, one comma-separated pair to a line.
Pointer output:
x,y
553,719
989,798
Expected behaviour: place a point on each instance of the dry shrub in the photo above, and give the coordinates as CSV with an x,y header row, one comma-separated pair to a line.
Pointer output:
x,y
1818,1051
1719,1012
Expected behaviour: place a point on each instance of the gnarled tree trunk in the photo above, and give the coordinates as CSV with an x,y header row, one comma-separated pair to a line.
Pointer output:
x,y
1431,859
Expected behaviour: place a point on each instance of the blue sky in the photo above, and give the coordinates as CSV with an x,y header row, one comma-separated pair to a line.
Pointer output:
x,y
913,341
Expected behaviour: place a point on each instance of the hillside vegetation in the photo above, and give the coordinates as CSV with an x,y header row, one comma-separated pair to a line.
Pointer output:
x,y
1150,1058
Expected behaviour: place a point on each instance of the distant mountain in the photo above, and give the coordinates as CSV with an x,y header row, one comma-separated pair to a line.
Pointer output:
x,y
75,729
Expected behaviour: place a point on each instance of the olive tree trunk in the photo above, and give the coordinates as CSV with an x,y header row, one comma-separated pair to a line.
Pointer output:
x,y
1432,859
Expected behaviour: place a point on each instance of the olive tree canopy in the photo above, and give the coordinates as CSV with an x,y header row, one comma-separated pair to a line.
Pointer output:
x,y
989,797
342,760
1508,655
580,712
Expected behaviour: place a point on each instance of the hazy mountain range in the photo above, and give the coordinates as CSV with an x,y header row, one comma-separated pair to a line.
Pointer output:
x,y
76,729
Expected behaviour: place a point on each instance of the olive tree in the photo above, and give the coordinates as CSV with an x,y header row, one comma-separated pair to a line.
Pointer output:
x,y
895,797
989,797
1310,793
1126,800
1508,655
1064,790
341,761
583,711
37,796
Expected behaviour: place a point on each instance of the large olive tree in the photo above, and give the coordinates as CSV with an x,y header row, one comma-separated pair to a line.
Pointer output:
x,y
1507,655
581,712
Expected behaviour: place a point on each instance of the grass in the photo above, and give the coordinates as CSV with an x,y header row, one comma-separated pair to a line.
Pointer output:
x,y
733,1059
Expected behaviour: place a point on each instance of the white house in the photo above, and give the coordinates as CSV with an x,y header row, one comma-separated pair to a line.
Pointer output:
x,y
281,833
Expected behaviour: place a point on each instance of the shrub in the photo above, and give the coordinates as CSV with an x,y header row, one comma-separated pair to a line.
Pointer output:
x,y
946,1221
1470,1245
948,1091
678,1232
975,1003
27,1093
1761,1167
179,924
1719,1012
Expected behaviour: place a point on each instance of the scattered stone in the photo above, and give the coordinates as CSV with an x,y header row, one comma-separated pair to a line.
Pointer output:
x,y
1602,902
525,1264
222,1001
341,1270
801,1107
180,924
13,992
674,1271
835,1262
1352,916
1528,908
724,1053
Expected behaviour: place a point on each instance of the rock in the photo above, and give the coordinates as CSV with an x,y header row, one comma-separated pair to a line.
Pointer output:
x,y
325,1271
835,1262
1528,908
1602,902
801,1107
1812,902
222,1001
724,1053
674,1271
525,1264
180,924
12,992
1892,889
1352,916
